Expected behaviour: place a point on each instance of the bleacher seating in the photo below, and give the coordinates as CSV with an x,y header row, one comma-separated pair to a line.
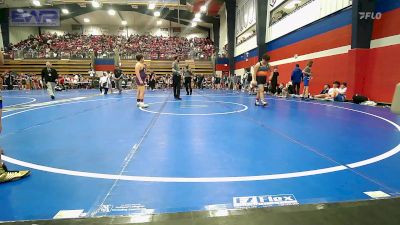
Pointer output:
x,y
69,67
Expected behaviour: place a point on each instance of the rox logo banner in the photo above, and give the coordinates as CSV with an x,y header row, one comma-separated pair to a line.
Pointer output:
x,y
34,17
266,200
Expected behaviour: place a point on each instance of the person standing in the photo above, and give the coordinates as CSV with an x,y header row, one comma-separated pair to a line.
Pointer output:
x,y
218,82
306,79
261,71
188,80
118,78
152,81
244,79
49,77
200,80
140,71
274,80
176,78
297,76
104,83
195,81
111,79
249,87
29,83
9,80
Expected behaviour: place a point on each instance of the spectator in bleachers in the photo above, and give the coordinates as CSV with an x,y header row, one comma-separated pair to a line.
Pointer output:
x,y
82,46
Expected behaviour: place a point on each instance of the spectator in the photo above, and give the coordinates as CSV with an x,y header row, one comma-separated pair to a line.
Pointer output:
x,y
152,81
188,80
176,73
307,75
82,46
274,80
325,90
297,76
289,88
332,93
118,78
200,82
341,97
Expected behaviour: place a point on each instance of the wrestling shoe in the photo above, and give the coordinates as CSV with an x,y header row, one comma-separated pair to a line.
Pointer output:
x,y
258,103
264,103
142,105
7,176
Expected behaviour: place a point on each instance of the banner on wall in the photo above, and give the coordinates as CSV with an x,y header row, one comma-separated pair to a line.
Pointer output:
x,y
34,17
275,3
245,16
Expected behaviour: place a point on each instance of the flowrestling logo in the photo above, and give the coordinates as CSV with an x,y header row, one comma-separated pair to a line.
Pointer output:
x,y
35,17
370,15
264,201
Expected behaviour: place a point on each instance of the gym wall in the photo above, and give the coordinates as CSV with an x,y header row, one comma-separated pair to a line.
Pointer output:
x,y
372,72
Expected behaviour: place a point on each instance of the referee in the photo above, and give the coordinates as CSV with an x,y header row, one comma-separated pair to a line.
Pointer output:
x,y
49,77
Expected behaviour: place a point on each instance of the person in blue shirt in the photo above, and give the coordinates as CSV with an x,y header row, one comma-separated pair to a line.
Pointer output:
x,y
297,76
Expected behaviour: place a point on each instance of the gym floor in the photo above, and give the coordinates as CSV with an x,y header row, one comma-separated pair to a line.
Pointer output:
x,y
102,156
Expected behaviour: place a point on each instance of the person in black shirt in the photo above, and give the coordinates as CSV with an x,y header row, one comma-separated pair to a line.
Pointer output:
x,y
176,78
274,80
118,78
9,80
49,77
152,81
200,80
188,80
325,90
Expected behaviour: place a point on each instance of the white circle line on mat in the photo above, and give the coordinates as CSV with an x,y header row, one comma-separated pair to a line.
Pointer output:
x,y
196,114
24,103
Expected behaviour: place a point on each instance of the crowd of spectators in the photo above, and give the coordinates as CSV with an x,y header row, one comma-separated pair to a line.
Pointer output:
x,y
11,80
84,46
26,81
245,37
